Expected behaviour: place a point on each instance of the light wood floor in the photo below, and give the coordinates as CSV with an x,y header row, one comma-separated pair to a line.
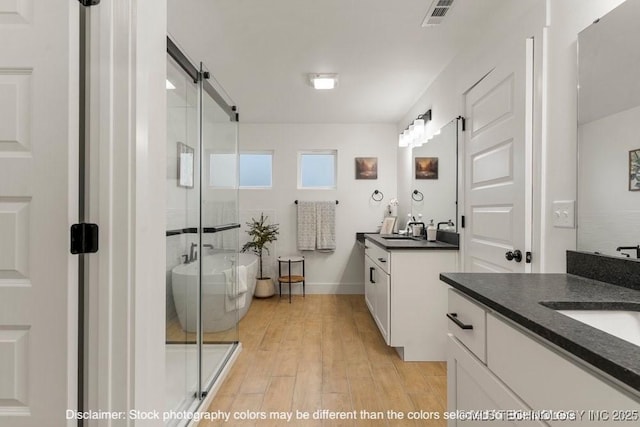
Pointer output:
x,y
324,352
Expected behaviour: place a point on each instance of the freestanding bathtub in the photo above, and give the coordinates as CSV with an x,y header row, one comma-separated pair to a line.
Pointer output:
x,y
215,314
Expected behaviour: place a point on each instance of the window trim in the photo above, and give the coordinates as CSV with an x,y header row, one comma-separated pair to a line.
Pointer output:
x,y
332,152
264,187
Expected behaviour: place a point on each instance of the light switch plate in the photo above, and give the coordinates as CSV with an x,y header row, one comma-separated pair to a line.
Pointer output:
x,y
564,214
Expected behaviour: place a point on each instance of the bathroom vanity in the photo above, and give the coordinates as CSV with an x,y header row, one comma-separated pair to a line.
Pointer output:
x,y
515,343
404,294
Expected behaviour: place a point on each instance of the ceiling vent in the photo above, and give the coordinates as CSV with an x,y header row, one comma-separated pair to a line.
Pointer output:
x,y
436,13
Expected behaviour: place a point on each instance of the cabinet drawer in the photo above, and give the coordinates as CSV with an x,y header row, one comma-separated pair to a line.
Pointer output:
x,y
381,257
467,322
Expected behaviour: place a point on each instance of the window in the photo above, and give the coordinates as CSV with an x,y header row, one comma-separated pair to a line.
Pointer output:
x,y
255,169
317,169
222,170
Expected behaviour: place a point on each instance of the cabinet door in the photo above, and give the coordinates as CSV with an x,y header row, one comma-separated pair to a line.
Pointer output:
x,y
369,284
476,392
382,304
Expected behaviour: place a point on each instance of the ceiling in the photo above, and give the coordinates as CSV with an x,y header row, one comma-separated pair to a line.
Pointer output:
x,y
261,51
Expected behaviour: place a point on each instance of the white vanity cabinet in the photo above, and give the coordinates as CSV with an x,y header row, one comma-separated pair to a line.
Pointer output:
x,y
521,372
377,286
407,300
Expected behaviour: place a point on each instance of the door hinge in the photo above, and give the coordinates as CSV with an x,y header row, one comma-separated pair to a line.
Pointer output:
x,y
462,221
527,257
89,3
463,121
84,238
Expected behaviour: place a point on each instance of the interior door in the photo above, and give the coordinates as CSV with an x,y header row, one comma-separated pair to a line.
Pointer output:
x,y
498,143
38,202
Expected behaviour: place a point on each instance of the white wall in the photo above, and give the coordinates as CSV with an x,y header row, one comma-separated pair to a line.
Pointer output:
x,y
341,271
555,134
608,213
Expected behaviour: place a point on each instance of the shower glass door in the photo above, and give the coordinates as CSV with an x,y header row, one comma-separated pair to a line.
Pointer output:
x,y
204,298
221,295
183,265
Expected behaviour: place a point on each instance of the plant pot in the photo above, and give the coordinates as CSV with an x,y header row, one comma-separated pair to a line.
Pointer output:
x,y
264,288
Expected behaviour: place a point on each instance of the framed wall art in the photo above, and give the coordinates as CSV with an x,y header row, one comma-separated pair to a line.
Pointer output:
x,y
634,170
186,159
366,168
426,168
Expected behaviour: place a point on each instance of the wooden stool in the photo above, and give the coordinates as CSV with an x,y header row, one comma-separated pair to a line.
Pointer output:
x,y
290,278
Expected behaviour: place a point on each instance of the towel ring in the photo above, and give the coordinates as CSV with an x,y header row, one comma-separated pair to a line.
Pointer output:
x,y
379,194
417,196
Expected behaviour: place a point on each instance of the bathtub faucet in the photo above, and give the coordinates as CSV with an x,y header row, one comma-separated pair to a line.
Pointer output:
x,y
193,253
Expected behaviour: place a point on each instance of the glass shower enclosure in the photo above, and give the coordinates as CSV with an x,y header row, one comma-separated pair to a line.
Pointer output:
x,y
202,233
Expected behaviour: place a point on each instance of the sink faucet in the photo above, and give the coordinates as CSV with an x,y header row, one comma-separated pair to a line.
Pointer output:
x,y
633,248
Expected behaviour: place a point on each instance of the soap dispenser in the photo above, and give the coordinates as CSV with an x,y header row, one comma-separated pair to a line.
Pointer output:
x,y
432,232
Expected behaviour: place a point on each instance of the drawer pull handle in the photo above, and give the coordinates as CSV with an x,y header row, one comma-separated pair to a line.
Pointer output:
x,y
382,260
454,318
371,270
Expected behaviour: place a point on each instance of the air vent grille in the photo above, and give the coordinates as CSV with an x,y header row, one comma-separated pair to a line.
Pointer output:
x,y
436,13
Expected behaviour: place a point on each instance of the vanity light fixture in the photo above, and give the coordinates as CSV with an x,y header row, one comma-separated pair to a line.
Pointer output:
x,y
170,86
323,81
414,134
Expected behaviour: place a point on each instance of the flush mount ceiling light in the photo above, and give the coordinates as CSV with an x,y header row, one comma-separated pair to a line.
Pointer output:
x,y
170,85
323,81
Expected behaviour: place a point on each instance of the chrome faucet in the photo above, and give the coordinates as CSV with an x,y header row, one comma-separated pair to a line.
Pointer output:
x,y
193,253
633,248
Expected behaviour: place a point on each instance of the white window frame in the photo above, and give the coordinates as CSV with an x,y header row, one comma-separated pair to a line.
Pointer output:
x,y
242,187
335,168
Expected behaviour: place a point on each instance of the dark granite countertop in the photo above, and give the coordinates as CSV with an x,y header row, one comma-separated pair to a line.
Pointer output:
x,y
416,243
518,297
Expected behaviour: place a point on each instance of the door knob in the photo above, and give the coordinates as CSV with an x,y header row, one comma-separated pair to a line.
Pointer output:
x,y
515,255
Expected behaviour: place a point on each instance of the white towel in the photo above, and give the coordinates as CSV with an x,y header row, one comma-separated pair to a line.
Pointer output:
x,y
306,226
231,304
242,279
236,297
326,226
232,289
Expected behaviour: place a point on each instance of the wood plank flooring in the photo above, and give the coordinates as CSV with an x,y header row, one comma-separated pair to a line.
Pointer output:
x,y
324,352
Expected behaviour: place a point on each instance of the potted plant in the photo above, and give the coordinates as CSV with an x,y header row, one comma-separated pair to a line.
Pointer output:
x,y
261,234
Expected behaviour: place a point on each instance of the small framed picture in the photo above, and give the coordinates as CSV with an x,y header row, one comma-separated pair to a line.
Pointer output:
x,y
634,170
426,168
366,168
186,159
387,225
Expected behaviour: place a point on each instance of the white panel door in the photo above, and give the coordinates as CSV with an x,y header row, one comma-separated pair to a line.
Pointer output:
x,y
38,202
498,140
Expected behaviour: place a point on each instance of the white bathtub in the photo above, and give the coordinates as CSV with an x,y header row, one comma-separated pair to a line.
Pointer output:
x,y
215,317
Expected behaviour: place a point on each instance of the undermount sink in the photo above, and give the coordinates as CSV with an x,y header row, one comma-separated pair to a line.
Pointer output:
x,y
621,320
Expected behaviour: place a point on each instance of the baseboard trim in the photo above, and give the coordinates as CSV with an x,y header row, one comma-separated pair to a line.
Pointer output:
x,y
323,288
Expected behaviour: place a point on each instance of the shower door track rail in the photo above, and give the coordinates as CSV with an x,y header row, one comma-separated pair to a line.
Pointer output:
x,y
174,52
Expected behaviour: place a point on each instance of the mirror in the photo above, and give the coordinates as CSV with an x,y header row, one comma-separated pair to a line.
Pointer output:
x,y
608,133
434,177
